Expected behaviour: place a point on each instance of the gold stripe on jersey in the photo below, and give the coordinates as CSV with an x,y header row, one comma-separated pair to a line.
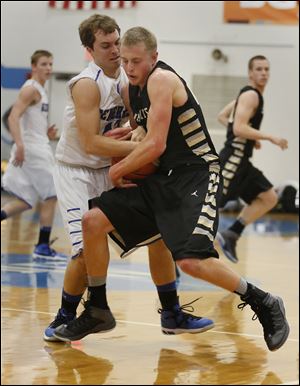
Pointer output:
x,y
204,232
195,139
190,127
231,167
235,160
209,210
186,115
226,182
210,157
227,174
200,150
206,220
238,153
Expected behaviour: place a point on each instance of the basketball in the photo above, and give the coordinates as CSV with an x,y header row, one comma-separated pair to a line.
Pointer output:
x,y
140,173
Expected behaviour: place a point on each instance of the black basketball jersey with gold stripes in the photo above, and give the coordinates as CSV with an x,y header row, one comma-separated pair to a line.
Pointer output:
x,y
188,140
245,145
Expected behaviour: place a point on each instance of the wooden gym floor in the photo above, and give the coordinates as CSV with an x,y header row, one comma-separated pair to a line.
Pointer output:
x,y
136,352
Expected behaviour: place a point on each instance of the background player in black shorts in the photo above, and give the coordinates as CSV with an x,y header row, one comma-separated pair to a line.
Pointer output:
x,y
180,201
243,117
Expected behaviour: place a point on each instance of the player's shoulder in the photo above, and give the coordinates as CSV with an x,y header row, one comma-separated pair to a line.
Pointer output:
x,y
249,96
162,77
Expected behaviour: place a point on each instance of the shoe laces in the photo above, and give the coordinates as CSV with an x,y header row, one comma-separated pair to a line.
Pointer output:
x,y
261,313
53,240
60,318
179,312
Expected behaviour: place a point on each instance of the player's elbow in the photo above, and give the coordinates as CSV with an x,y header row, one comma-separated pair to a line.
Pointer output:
x,y
157,147
221,118
237,130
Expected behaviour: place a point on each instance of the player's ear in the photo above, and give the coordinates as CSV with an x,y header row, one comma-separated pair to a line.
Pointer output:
x,y
154,56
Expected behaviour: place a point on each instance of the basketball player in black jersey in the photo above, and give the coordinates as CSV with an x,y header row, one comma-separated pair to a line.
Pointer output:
x,y
243,117
179,202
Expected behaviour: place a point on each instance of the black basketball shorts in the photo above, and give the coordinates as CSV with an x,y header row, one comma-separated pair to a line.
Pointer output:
x,y
180,207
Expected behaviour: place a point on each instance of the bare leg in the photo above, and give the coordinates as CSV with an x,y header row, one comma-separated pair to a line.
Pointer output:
x,y
158,255
75,281
95,226
212,270
14,207
47,212
263,203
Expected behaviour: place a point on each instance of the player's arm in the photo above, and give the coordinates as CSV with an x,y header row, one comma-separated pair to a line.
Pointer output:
x,y
247,104
226,113
86,98
27,97
161,85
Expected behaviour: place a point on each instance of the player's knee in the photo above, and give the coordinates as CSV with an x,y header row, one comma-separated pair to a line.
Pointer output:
x,y
91,221
188,265
271,198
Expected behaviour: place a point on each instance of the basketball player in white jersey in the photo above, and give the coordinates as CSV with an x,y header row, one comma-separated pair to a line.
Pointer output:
x,y
29,175
95,107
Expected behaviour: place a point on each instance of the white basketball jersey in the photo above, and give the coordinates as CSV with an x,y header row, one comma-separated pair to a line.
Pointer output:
x,y
34,121
112,114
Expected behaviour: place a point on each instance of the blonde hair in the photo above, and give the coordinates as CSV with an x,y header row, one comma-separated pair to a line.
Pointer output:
x,y
90,26
138,35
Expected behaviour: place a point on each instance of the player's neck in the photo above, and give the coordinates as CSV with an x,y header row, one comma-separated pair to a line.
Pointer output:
x,y
39,80
257,86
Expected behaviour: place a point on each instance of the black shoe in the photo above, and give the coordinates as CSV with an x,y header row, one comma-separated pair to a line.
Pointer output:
x,y
271,314
227,240
91,320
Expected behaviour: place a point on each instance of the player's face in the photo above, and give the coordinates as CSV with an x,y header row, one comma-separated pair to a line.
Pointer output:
x,y
137,63
43,68
260,72
106,52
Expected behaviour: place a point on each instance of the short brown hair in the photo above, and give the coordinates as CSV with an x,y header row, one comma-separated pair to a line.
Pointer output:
x,y
137,35
38,54
90,26
257,57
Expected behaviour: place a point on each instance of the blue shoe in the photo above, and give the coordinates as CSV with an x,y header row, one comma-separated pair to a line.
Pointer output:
x,y
43,251
178,322
61,318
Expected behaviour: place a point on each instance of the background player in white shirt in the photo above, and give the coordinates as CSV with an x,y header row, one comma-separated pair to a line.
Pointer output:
x,y
29,175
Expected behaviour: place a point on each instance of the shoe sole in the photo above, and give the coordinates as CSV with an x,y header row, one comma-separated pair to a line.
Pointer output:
x,y
51,338
222,243
284,338
52,258
78,337
177,331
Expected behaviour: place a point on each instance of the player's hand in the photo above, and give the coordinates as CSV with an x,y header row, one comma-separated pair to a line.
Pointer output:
x,y
52,132
119,182
120,133
138,134
19,156
281,142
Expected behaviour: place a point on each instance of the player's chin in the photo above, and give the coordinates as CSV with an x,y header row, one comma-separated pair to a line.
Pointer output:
x,y
133,80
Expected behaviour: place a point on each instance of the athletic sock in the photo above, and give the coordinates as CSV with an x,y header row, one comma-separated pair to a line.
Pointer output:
x,y
44,235
70,302
238,226
168,297
3,215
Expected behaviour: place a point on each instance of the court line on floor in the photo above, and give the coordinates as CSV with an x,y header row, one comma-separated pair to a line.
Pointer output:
x,y
148,324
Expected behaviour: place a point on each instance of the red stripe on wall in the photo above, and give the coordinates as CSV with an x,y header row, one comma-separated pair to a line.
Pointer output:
x,y
66,5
